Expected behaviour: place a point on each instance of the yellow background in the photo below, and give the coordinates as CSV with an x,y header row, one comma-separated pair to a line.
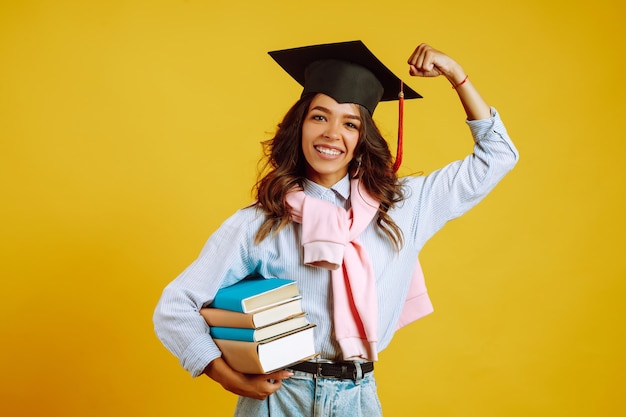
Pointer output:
x,y
129,130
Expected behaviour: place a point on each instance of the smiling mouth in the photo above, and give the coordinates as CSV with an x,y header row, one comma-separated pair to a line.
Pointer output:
x,y
327,151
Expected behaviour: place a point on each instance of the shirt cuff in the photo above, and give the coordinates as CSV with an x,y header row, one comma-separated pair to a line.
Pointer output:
x,y
483,129
199,354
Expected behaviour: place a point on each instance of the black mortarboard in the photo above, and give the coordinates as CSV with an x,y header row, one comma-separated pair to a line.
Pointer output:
x,y
345,71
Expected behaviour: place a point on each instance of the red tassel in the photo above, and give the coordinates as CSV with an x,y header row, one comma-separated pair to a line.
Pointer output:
x,y
398,161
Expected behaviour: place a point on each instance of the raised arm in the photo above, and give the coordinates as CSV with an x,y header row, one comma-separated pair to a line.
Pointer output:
x,y
454,189
426,61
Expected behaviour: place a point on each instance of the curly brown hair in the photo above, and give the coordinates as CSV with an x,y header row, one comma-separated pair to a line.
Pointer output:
x,y
284,168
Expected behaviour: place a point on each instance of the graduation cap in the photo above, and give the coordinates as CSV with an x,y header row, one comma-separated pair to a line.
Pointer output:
x,y
349,73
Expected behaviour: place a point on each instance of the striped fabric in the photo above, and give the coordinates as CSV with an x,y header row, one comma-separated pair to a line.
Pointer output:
x,y
230,253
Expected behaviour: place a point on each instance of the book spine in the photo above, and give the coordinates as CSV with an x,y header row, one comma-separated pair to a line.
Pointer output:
x,y
236,296
241,356
233,333
231,304
226,318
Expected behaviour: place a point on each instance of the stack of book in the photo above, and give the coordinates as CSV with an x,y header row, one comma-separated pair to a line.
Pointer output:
x,y
259,325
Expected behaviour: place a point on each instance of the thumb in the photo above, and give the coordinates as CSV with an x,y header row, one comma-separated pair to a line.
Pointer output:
x,y
279,375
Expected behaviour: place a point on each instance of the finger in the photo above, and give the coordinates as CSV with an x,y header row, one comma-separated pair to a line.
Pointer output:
x,y
415,55
419,59
416,60
280,375
286,374
273,386
429,60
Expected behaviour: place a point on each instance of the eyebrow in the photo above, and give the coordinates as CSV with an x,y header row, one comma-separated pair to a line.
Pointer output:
x,y
327,111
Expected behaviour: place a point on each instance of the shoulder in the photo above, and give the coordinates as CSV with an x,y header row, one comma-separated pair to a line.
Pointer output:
x,y
411,184
248,215
243,221
238,230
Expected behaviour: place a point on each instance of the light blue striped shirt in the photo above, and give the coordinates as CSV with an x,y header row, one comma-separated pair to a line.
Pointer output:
x,y
230,253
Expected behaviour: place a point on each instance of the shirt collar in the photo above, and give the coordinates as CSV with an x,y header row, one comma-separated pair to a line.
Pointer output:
x,y
341,188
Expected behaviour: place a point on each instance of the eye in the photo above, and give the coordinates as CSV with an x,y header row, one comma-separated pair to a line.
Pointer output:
x,y
351,125
318,117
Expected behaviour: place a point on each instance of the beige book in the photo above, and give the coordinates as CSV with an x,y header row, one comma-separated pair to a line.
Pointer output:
x,y
271,354
217,317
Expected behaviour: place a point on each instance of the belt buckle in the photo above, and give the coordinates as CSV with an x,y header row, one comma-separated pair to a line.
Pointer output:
x,y
355,375
319,373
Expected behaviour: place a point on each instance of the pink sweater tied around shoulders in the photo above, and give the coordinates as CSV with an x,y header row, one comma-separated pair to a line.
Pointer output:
x,y
329,240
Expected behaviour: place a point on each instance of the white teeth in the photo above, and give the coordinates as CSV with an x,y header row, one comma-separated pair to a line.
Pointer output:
x,y
326,151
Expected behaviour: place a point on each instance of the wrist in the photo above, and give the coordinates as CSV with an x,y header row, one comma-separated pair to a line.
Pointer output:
x,y
456,76
218,370
458,85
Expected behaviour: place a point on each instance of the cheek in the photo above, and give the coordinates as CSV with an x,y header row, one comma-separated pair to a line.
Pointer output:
x,y
354,141
308,132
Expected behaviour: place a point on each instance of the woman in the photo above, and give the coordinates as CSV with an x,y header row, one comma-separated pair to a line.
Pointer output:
x,y
328,156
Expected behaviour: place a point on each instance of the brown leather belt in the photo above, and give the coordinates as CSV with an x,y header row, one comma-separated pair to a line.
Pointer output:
x,y
337,370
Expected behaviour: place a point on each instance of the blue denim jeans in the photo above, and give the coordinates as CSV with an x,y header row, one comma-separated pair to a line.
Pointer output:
x,y
304,395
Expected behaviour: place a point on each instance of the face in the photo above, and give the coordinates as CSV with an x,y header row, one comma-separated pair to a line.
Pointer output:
x,y
330,133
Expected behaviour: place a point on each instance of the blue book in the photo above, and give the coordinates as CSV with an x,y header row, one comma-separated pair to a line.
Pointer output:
x,y
261,333
254,293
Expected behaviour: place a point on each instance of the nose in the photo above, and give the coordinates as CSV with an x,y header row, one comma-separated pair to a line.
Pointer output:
x,y
332,131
